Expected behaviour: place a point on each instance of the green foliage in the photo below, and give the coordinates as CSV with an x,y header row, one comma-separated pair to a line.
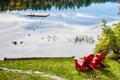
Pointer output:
x,y
116,31
109,39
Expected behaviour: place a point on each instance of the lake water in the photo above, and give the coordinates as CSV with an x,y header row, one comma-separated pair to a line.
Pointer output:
x,y
62,34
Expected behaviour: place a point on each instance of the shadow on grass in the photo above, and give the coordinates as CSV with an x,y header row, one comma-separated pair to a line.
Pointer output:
x,y
109,74
101,74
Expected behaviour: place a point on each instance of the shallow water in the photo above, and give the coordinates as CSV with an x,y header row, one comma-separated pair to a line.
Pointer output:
x,y
53,36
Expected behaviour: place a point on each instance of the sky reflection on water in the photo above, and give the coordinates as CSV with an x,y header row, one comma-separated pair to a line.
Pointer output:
x,y
65,24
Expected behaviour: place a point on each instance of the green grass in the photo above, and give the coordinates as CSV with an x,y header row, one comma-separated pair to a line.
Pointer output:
x,y
64,67
4,75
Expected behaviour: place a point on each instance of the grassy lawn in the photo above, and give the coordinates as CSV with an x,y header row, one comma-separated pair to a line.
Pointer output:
x,y
20,76
63,67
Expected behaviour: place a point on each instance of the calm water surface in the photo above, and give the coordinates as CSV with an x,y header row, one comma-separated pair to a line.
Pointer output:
x,y
55,35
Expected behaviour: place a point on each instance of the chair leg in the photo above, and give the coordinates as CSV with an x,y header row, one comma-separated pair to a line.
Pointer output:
x,y
90,67
80,68
94,65
102,65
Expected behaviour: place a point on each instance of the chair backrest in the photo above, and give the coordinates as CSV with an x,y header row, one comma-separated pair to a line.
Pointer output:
x,y
88,59
100,57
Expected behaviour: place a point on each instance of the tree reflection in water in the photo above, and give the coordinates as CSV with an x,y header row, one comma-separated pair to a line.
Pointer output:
x,y
119,7
82,38
10,5
76,39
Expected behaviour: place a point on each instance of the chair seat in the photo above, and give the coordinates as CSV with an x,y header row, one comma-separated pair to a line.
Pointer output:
x,y
81,64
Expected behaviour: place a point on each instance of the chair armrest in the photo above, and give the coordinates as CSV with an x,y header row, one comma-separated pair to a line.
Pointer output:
x,y
77,59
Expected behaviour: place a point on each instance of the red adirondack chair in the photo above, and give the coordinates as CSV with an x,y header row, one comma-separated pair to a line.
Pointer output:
x,y
82,64
99,60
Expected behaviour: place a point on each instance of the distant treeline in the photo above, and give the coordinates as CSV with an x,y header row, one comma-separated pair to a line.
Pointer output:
x,y
46,4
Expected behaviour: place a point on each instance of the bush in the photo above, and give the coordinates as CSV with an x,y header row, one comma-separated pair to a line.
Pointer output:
x,y
109,39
